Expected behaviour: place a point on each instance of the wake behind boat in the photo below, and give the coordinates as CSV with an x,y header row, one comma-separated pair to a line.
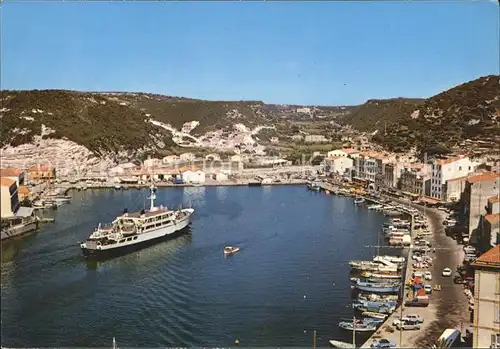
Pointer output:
x,y
133,231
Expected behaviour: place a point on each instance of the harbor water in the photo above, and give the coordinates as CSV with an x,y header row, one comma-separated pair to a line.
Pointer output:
x,y
291,276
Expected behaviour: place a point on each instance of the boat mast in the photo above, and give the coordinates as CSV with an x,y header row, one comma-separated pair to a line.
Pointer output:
x,y
354,332
152,195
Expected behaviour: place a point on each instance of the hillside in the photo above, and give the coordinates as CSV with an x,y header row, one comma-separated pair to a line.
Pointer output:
x,y
140,123
112,122
376,114
467,112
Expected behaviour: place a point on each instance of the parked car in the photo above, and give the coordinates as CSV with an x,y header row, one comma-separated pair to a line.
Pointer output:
x,y
428,289
418,302
428,275
409,317
446,272
383,343
408,325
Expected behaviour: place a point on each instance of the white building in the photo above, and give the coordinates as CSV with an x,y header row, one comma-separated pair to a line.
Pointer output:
x,y
187,157
338,164
189,126
304,110
221,176
315,139
170,159
343,152
486,328
193,176
444,170
116,171
152,162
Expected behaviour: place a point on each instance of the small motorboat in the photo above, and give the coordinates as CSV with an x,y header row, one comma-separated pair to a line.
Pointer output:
x,y
359,200
231,250
359,326
374,315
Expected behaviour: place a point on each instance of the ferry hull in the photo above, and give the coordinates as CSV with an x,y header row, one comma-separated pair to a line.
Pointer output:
x,y
92,254
100,254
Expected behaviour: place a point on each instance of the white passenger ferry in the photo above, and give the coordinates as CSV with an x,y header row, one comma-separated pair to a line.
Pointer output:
x,y
133,231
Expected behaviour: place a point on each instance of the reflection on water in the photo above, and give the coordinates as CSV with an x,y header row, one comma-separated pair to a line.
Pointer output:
x,y
221,193
11,248
193,196
164,250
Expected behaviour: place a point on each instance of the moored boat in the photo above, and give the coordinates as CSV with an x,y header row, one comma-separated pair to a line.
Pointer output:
x,y
359,200
378,287
358,326
342,345
313,186
368,275
374,315
377,297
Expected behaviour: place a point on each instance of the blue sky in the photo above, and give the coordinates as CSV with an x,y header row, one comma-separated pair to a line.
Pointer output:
x,y
329,53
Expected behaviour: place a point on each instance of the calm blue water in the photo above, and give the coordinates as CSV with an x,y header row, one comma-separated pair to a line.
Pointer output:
x,y
294,243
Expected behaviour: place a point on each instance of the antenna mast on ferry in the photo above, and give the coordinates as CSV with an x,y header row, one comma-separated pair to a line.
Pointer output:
x,y
152,195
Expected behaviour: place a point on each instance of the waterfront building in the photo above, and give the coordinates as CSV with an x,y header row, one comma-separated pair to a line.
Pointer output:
x,y
9,198
220,176
415,180
454,188
486,328
190,176
338,164
445,169
478,189
346,152
494,204
41,172
13,173
491,229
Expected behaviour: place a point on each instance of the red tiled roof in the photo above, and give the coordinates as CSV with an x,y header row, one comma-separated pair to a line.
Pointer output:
x,y
483,177
40,168
458,179
350,151
10,172
449,160
494,199
6,182
493,218
490,258
23,190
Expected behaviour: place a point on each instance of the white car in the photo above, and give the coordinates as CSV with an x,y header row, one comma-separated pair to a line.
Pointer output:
x,y
428,275
446,272
428,289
